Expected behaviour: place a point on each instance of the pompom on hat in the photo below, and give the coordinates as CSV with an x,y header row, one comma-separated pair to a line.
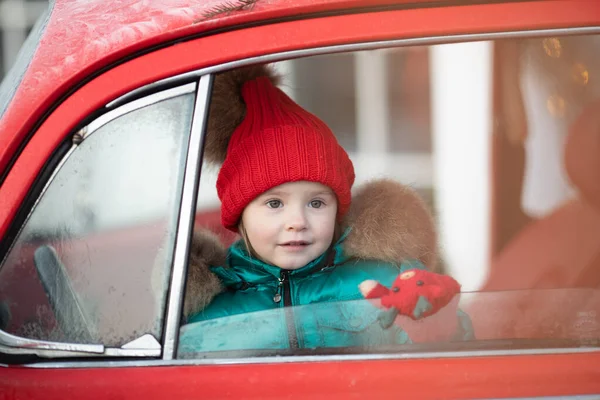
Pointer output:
x,y
264,139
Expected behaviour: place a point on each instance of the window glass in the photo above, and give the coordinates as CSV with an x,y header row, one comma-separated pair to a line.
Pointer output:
x,y
91,263
500,138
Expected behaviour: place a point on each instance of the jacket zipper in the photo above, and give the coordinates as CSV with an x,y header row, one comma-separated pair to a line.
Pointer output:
x,y
284,285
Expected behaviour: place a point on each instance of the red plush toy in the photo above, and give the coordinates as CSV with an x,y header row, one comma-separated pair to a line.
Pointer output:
x,y
415,295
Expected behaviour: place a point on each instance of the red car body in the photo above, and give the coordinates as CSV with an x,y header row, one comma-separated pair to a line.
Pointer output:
x,y
91,53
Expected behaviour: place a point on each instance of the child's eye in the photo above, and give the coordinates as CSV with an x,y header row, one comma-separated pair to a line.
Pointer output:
x,y
274,203
316,203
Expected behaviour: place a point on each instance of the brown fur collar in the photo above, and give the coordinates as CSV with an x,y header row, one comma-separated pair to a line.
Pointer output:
x,y
389,222
201,284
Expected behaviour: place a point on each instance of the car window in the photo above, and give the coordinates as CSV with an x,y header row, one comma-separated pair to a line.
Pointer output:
x,y
361,331
499,138
91,264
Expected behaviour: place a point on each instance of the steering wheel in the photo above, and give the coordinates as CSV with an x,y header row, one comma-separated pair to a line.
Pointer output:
x,y
69,313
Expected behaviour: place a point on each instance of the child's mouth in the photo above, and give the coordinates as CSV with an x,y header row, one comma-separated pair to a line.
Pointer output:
x,y
295,245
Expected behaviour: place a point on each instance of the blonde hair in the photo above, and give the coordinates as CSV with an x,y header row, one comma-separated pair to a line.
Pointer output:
x,y
246,240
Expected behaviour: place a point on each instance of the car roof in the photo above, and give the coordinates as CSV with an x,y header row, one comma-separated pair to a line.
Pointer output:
x,y
77,38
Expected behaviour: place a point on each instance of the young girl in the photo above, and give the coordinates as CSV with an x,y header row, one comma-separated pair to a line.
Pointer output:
x,y
285,187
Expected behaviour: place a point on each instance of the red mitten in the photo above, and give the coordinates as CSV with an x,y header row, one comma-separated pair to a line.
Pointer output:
x,y
421,302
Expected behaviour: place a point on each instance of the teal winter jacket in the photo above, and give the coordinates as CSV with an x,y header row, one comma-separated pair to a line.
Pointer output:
x,y
317,306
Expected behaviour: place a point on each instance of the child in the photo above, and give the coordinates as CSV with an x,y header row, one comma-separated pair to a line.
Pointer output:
x,y
285,187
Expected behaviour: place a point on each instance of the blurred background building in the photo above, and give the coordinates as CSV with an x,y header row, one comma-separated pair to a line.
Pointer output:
x,y
16,20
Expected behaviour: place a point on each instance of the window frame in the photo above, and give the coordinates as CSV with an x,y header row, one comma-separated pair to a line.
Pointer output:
x,y
352,47
284,56
146,345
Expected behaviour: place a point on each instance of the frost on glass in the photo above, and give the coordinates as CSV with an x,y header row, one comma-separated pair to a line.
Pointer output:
x,y
109,218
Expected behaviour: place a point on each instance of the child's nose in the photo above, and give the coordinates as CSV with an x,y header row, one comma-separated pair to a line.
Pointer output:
x,y
296,221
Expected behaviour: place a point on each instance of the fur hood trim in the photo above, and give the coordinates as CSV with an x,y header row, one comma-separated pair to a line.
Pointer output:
x,y
389,221
202,285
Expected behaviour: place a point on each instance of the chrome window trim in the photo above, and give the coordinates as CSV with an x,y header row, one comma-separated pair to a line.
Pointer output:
x,y
186,217
312,359
121,352
11,344
420,41
25,346
73,351
136,105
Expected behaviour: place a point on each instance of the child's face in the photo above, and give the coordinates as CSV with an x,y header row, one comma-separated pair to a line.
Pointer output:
x,y
291,224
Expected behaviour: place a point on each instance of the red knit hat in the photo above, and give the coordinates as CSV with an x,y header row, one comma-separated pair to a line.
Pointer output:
x,y
279,142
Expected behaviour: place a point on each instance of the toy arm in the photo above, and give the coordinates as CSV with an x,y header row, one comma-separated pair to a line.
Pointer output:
x,y
413,313
372,289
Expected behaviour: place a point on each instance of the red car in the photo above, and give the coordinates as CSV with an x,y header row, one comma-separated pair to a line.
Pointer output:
x,y
489,108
